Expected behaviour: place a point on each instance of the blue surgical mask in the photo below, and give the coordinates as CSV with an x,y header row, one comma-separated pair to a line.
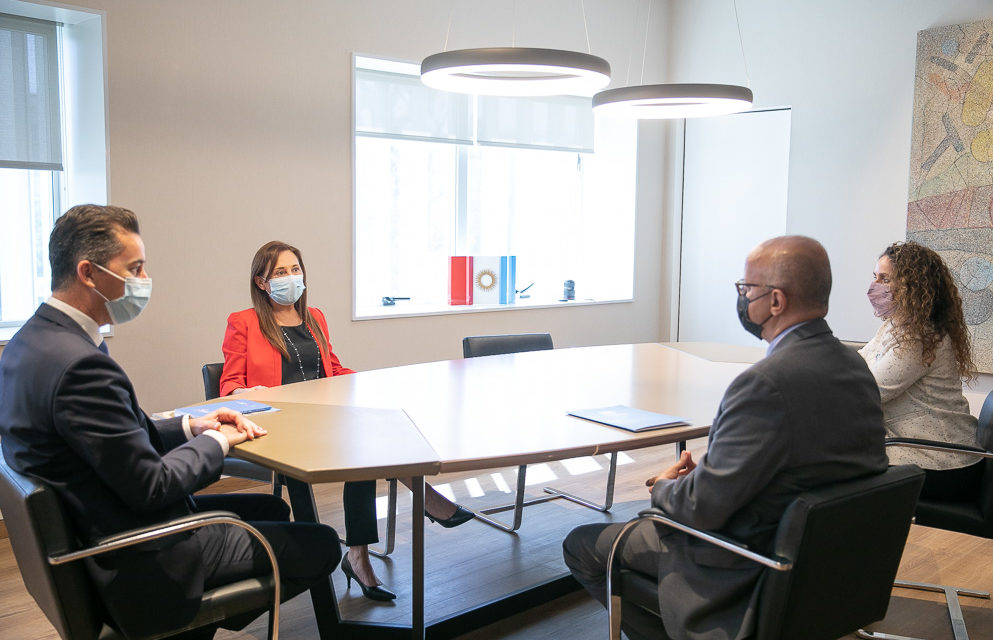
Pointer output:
x,y
129,306
286,290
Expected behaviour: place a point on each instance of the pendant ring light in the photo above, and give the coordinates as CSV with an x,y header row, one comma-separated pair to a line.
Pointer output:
x,y
692,100
516,71
655,101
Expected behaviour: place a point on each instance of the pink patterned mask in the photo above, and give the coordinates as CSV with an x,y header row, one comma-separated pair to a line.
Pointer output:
x,y
881,299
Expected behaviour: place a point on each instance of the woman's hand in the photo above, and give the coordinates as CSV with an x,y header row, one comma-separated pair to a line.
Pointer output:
x,y
255,388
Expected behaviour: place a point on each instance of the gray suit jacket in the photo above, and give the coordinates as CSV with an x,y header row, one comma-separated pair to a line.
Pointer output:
x,y
69,416
806,415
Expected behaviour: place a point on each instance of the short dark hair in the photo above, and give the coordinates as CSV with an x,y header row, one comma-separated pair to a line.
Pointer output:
x,y
86,232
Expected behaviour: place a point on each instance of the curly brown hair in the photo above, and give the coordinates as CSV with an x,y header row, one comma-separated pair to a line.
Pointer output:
x,y
927,305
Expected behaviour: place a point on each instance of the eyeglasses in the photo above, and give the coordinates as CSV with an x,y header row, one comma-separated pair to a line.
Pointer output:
x,y
743,287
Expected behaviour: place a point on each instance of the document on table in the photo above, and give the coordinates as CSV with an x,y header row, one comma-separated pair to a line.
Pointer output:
x,y
629,418
242,405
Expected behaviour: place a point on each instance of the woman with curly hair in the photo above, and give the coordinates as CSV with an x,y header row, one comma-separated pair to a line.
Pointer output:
x,y
919,357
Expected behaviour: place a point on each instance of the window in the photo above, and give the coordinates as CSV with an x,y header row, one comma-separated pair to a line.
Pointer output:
x,y
52,142
441,174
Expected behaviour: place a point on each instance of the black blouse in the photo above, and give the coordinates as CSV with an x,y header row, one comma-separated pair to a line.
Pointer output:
x,y
305,356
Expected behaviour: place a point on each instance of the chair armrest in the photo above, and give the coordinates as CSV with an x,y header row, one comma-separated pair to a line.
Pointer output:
x,y
935,445
657,515
169,527
178,525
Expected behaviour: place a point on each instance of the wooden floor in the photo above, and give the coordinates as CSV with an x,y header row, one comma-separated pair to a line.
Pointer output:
x,y
475,563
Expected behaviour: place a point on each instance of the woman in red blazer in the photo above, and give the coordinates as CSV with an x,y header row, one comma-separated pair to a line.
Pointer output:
x,y
281,340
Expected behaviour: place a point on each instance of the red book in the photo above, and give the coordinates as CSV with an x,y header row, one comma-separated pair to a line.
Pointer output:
x,y
460,280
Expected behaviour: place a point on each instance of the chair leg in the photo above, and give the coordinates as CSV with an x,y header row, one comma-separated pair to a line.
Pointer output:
x,y
391,523
951,599
608,498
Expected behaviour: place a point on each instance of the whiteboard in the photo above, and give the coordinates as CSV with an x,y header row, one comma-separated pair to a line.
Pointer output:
x,y
735,178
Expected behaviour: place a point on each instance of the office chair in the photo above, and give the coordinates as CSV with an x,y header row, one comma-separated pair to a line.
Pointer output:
x,y
233,466
47,553
476,346
973,518
826,535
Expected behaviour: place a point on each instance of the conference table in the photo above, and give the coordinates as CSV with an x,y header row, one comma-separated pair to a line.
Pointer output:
x,y
473,414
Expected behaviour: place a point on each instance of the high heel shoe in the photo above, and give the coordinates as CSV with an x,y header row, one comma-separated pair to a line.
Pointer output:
x,y
461,515
375,592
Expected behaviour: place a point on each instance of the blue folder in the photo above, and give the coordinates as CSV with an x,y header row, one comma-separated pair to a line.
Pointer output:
x,y
629,418
244,406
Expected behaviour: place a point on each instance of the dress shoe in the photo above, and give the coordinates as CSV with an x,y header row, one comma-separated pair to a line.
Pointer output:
x,y
375,592
460,516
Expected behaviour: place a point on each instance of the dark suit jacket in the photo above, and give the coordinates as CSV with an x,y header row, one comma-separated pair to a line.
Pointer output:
x,y
806,415
69,416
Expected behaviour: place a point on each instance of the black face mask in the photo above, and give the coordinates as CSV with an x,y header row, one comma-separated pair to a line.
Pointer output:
x,y
754,328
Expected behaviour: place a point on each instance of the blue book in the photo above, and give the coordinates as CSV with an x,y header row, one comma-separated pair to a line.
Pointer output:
x,y
630,418
244,406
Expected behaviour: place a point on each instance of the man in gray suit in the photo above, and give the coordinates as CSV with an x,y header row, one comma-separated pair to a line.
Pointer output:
x,y
807,415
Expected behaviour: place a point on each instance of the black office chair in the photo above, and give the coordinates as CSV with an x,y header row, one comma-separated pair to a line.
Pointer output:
x,y
233,466
477,346
47,554
825,536
973,518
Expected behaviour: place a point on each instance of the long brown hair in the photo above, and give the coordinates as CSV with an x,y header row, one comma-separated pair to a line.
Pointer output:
x,y
927,303
262,265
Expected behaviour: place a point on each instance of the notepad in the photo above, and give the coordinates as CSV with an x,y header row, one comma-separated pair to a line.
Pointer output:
x,y
629,418
237,404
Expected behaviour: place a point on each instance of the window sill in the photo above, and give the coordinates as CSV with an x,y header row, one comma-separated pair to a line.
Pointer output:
x,y
6,333
404,309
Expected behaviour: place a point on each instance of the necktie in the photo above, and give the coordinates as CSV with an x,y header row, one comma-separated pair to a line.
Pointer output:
x,y
103,347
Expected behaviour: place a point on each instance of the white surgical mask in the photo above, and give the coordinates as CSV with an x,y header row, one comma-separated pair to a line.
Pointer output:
x,y
129,306
286,290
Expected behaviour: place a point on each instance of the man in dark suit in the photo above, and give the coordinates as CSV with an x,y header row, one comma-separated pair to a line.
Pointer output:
x,y
806,415
69,416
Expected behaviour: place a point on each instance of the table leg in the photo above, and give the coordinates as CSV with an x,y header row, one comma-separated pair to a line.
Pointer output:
x,y
417,558
321,594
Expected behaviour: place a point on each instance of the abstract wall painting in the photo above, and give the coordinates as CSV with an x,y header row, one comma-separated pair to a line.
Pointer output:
x,y
950,206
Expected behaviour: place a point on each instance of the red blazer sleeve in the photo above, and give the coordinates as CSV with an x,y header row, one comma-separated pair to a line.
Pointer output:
x,y
249,359
332,366
235,348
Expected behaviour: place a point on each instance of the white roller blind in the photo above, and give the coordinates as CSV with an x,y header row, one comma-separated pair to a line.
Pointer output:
x,y
30,130
553,122
397,105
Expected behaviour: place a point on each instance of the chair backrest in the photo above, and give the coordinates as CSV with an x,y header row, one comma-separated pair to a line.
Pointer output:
x,y
972,517
845,541
38,527
475,346
212,380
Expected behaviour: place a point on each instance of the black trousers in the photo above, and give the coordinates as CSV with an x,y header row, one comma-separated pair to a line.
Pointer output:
x,y
306,552
359,502
585,551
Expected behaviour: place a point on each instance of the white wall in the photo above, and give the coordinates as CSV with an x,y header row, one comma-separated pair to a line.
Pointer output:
x,y
230,125
847,70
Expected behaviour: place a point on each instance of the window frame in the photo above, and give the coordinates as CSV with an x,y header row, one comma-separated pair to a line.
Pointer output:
x,y
82,80
460,231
